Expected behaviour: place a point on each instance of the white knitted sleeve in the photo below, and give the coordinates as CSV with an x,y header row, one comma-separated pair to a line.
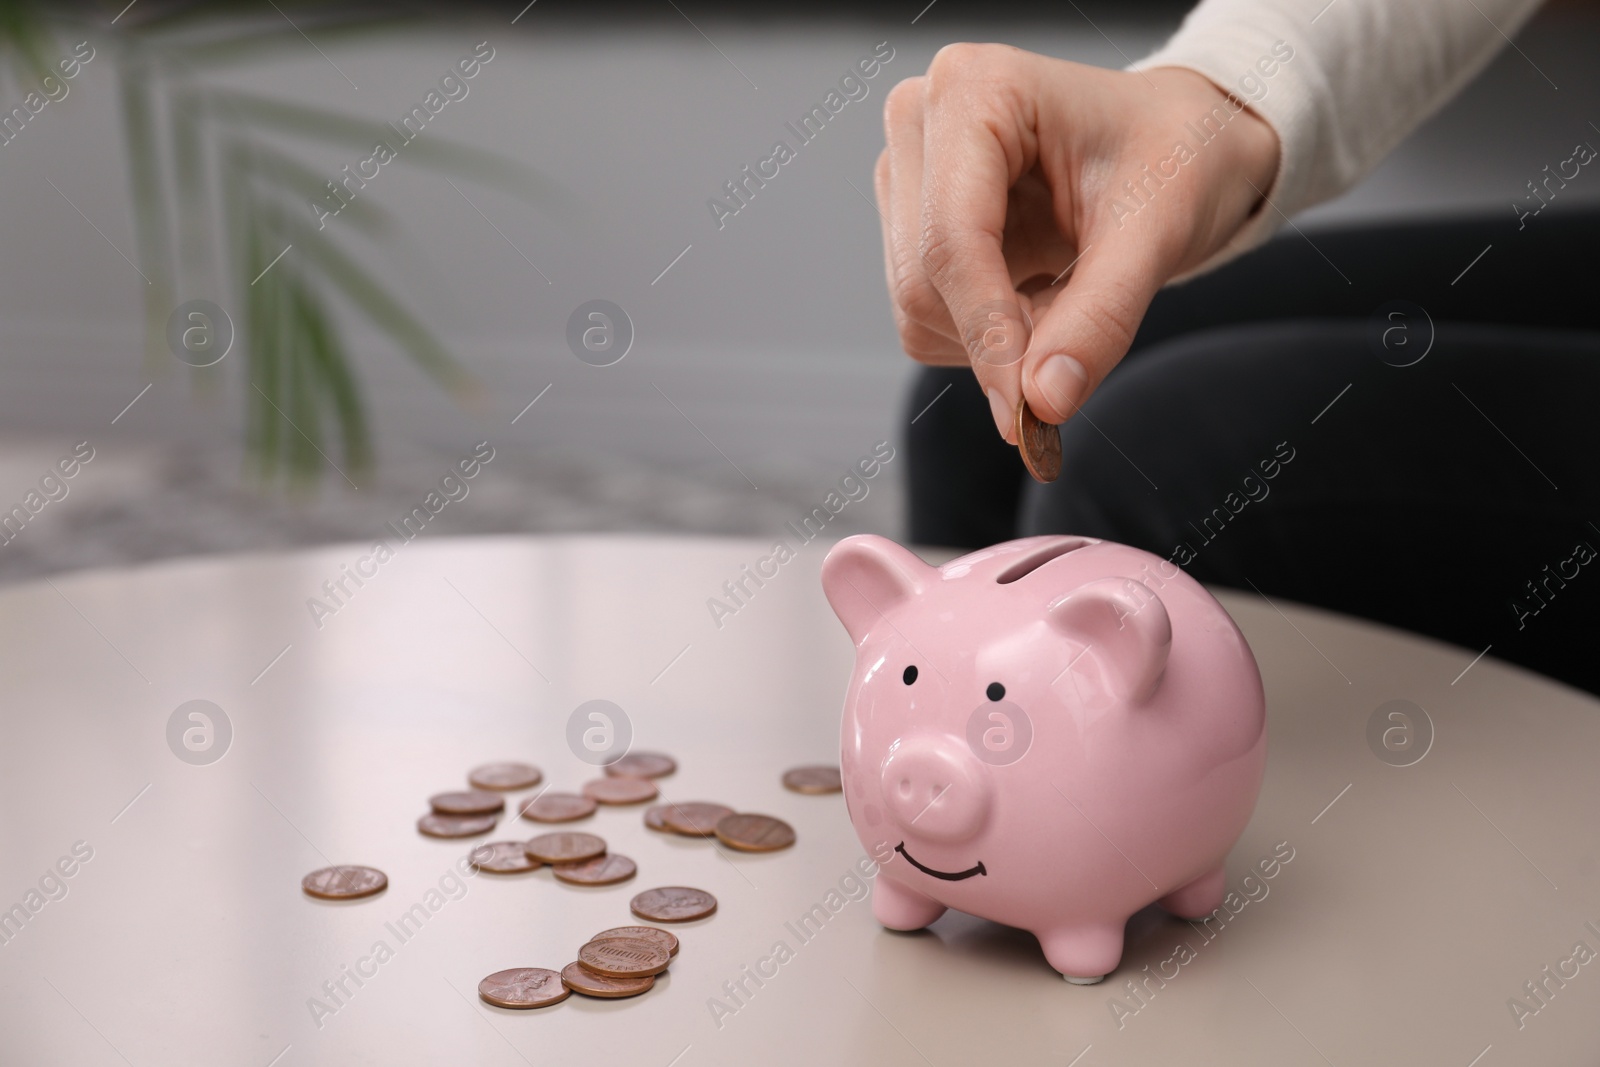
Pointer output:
x,y
1361,74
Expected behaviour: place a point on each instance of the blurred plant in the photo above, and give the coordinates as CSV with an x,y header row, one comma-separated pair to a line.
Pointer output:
x,y
198,153
23,33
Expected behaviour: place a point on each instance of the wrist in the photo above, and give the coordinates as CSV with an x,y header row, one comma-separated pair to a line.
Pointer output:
x,y
1252,144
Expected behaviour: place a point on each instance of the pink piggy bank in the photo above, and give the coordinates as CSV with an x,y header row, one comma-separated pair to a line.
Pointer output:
x,y
1052,733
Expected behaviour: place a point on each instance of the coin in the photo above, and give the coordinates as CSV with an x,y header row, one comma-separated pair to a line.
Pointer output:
x,y
602,870
642,765
817,778
623,789
624,957
505,776
344,883
695,818
557,807
472,802
755,833
565,847
578,978
502,857
524,987
654,934
435,825
1040,445
655,819
673,904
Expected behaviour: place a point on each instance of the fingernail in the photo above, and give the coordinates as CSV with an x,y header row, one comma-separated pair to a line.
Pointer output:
x,y
1004,413
1063,381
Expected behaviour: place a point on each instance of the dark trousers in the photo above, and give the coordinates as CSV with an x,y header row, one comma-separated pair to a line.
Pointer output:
x,y
1294,424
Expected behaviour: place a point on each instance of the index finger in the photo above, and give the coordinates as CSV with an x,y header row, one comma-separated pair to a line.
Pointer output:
x,y
975,148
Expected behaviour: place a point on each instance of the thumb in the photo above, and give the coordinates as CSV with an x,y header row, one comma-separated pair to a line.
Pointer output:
x,y
1087,328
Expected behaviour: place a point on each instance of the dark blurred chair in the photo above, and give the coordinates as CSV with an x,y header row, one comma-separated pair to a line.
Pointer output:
x,y
1456,496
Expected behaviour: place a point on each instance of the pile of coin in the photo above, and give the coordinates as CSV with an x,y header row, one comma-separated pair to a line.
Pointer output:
x,y
574,858
463,814
621,962
475,811
578,859
629,780
738,830
625,960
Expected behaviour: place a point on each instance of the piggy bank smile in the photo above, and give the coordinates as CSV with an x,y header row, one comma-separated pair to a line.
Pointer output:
x,y
1082,715
949,876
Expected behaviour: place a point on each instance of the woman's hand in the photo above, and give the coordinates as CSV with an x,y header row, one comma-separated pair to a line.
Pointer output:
x,y
1003,169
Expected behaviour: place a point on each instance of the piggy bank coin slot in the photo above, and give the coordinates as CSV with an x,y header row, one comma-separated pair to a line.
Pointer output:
x,y
1032,561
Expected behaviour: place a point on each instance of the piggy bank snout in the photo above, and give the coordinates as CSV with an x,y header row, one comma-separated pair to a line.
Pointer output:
x,y
935,789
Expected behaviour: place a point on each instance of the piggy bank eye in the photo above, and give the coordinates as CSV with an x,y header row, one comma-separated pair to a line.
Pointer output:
x,y
996,691
910,675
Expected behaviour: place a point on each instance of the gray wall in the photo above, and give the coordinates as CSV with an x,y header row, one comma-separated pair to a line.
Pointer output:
x,y
771,335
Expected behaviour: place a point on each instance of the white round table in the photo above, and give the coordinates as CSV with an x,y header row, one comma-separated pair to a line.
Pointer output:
x,y
154,912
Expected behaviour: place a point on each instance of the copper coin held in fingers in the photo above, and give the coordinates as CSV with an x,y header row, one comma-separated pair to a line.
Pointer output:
x,y
695,818
1040,445
673,904
642,765
524,987
505,776
653,934
655,818
344,883
602,870
818,778
435,825
565,847
557,807
624,957
502,857
623,789
472,802
755,833
578,978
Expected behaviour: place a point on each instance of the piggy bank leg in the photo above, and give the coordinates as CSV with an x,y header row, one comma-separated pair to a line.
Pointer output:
x,y
1086,953
900,908
1199,898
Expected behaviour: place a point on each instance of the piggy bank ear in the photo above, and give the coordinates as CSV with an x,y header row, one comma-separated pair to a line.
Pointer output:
x,y
865,576
1126,629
